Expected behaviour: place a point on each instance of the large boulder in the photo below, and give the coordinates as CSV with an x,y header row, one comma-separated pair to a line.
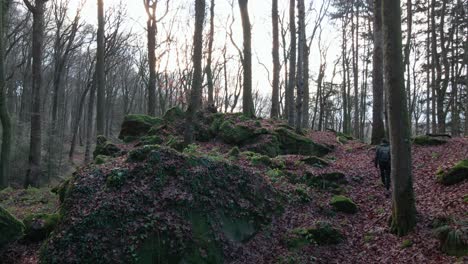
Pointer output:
x,y
454,175
293,143
10,228
343,204
428,141
105,148
39,226
160,206
135,126
236,134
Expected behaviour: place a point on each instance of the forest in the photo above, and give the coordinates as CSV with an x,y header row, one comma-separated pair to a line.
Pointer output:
x,y
224,131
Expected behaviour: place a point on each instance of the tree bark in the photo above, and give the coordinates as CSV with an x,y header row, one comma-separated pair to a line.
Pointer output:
x,y
197,79
100,71
5,154
403,201
247,100
300,64
275,111
33,174
378,129
292,64
209,71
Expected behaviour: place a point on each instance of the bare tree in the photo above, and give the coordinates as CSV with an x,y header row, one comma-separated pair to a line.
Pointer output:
x,y
403,203
292,64
247,100
209,70
5,119
100,70
34,170
378,129
275,111
300,63
197,79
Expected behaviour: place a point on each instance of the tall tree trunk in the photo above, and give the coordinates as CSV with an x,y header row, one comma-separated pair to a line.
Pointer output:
x,y
300,63
292,64
378,129
209,71
34,169
275,111
306,97
100,71
151,35
355,48
247,100
197,79
403,201
89,123
428,70
5,154
407,50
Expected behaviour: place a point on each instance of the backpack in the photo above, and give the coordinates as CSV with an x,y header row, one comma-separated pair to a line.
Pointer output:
x,y
384,154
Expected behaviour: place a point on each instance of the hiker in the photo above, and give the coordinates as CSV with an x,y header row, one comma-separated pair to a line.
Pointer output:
x,y
383,161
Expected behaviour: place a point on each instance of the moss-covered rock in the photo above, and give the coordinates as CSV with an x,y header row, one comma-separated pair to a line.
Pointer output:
x,y
140,154
428,141
171,207
292,143
106,148
138,125
322,233
344,136
39,226
101,159
151,140
176,143
174,114
234,152
258,159
454,175
10,228
453,239
343,204
315,161
342,140
266,144
236,134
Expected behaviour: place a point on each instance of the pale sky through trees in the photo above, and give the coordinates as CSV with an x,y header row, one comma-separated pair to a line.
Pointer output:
x,y
260,13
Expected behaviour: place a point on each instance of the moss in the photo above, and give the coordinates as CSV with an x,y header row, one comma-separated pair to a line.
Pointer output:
x,y
174,114
151,140
292,143
116,178
39,226
265,144
260,160
322,233
453,240
176,143
343,204
235,134
275,175
327,181
106,148
315,161
136,126
344,136
101,159
301,193
341,140
428,141
140,154
10,228
336,177
234,152
406,243
456,174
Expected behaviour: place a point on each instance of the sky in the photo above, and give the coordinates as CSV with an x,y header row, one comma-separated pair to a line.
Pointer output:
x,y
260,15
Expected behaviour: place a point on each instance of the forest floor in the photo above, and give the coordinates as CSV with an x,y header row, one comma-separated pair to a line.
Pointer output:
x,y
367,237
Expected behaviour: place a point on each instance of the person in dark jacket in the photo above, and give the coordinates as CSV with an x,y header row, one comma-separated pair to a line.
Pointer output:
x,y
383,161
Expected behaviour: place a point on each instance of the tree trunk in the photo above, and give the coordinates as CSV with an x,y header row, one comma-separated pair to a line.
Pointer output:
x,y
209,71
292,64
275,111
34,169
300,63
378,129
247,100
403,201
151,34
305,103
100,71
197,79
5,154
355,48
428,71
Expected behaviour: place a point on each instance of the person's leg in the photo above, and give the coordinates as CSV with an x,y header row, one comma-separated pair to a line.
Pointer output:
x,y
382,173
387,177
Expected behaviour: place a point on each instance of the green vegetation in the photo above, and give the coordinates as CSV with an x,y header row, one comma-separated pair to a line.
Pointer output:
x,y
116,178
343,204
234,133
406,243
174,114
105,148
322,233
428,141
39,226
10,228
453,240
454,175
292,143
135,126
